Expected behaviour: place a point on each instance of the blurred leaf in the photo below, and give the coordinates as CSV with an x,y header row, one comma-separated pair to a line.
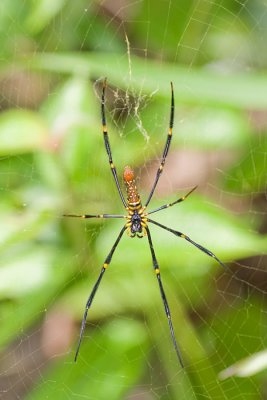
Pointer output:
x,y
249,174
51,171
184,27
195,86
214,128
109,364
75,125
31,270
18,228
16,171
246,367
92,30
24,305
11,15
42,12
21,132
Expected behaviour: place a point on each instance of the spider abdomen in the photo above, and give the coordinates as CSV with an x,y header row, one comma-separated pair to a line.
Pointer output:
x,y
133,198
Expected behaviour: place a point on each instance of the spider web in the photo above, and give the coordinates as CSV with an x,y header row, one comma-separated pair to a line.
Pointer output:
x,y
49,265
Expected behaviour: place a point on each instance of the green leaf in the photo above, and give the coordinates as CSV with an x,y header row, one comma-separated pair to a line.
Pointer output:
x,y
32,270
41,13
17,228
211,128
74,121
249,173
21,131
29,282
194,85
11,17
182,20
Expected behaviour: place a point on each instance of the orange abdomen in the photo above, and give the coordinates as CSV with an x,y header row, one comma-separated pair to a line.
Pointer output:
x,y
133,197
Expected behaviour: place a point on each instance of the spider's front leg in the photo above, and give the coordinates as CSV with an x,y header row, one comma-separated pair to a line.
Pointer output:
x,y
107,144
166,149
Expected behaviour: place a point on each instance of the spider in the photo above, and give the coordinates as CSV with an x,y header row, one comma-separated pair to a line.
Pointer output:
x,y
137,220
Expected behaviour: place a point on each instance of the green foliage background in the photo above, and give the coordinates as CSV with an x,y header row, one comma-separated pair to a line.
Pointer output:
x,y
53,57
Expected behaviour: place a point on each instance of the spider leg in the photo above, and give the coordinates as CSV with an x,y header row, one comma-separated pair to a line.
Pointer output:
x,y
183,236
166,149
107,144
163,296
172,204
94,216
92,295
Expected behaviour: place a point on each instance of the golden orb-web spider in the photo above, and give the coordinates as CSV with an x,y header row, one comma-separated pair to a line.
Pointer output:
x,y
137,220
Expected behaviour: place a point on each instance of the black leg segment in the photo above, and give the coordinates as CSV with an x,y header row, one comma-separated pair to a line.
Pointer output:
x,y
172,204
183,236
166,149
163,296
92,295
107,144
85,216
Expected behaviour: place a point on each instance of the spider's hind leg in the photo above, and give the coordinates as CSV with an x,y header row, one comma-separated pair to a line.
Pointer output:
x,y
164,298
94,290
